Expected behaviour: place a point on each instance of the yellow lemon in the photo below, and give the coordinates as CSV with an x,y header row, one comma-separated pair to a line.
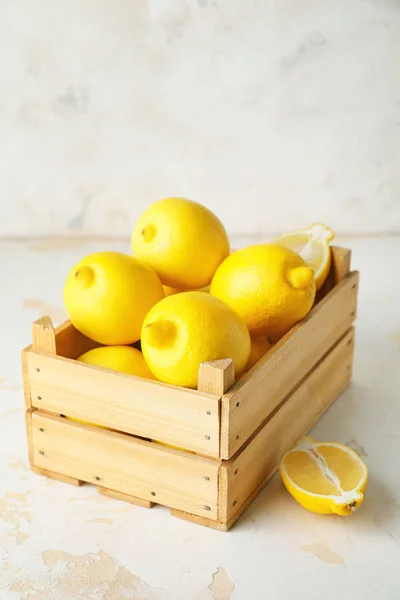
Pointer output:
x,y
268,286
259,347
324,477
182,240
170,291
313,246
118,358
107,296
184,330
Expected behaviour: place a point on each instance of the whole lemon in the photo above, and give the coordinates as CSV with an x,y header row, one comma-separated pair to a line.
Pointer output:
x,y
118,358
186,329
182,240
269,287
259,347
107,296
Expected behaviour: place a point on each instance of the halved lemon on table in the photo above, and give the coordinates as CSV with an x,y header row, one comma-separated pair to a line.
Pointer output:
x,y
313,246
324,477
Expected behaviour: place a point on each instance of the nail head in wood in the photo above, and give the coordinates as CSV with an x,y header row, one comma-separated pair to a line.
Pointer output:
x,y
97,478
153,493
207,508
207,478
207,437
41,452
41,429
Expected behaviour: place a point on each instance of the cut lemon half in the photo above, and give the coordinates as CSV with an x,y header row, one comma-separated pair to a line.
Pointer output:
x,y
313,246
324,477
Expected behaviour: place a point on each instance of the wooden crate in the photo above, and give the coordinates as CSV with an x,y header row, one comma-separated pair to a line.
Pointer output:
x,y
231,435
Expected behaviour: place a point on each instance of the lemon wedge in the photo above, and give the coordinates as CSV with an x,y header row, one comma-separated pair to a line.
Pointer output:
x,y
324,477
313,246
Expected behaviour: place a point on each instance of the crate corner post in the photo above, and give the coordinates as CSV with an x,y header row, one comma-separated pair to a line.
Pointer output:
x,y
216,376
43,340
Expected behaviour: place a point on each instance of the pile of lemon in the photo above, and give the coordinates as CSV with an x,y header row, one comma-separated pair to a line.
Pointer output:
x,y
187,298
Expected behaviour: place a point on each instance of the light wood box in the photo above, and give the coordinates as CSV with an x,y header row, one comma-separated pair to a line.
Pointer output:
x,y
233,434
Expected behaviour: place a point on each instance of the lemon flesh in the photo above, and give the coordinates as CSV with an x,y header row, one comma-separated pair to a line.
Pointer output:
x,y
107,296
268,286
313,246
186,329
182,241
324,477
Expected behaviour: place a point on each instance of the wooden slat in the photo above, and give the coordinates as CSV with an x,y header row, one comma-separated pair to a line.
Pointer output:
x,y
25,376
56,476
28,426
216,376
71,343
125,464
199,520
125,498
184,418
247,471
249,402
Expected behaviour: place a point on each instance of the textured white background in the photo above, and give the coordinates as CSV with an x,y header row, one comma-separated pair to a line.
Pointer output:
x,y
274,114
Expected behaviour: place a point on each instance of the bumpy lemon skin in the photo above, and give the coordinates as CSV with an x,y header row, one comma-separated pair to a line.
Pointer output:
x,y
317,234
259,347
186,329
182,240
107,296
268,286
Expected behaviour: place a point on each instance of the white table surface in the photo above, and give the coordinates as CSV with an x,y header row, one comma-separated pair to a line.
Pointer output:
x,y
58,542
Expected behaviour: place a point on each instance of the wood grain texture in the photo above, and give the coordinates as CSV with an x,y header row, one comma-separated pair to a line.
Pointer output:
x,y
340,268
28,425
25,376
71,343
249,402
216,376
125,498
181,417
125,464
56,476
341,260
43,335
199,520
253,465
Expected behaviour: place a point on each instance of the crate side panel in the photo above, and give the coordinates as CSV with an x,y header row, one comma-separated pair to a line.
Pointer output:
x,y
254,397
71,343
25,376
177,416
290,421
116,461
